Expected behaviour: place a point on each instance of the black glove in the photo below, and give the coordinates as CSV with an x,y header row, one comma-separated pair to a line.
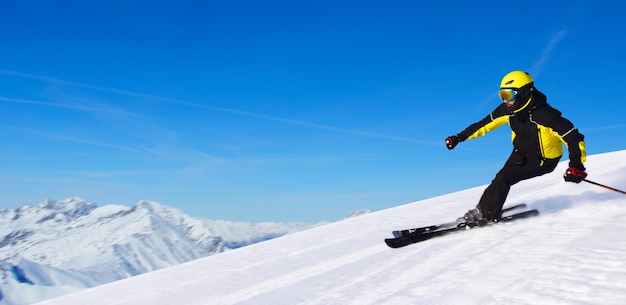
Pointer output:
x,y
575,175
452,141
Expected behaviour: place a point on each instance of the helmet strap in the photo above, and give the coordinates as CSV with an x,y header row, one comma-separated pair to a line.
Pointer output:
x,y
525,92
525,105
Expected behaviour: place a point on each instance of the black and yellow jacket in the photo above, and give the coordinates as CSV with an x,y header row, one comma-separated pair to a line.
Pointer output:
x,y
538,130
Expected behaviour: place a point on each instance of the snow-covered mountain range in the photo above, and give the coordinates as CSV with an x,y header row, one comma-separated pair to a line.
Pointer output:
x,y
573,253
59,247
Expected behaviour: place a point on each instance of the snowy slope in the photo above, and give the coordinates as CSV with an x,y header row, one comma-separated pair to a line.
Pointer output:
x,y
574,253
60,247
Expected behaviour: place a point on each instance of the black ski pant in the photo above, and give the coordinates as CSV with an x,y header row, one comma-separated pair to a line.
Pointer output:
x,y
518,167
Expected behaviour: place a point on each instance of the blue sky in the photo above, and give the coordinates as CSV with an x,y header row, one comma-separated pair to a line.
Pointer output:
x,y
285,110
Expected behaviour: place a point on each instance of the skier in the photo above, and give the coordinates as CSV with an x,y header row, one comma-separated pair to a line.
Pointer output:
x,y
538,131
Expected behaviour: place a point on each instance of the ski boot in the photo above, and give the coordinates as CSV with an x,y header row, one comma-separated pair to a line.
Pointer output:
x,y
473,218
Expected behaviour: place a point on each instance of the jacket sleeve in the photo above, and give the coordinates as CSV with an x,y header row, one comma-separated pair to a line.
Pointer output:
x,y
573,139
492,121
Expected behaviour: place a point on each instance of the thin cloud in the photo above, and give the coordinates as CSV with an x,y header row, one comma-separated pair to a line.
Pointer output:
x,y
605,128
94,143
202,106
65,106
59,137
537,67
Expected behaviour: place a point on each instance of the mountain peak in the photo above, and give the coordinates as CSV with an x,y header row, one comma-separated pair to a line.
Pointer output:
x,y
147,204
172,215
72,207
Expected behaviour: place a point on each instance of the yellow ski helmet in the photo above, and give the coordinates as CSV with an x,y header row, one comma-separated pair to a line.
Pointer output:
x,y
523,84
515,80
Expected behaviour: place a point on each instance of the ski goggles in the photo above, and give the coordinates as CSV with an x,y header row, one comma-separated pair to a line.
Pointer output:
x,y
507,94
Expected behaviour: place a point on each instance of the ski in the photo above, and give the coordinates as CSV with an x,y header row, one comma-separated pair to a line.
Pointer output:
x,y
440,230
451,224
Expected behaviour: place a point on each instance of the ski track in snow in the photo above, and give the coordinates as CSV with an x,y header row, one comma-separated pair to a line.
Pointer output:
x,y
574,253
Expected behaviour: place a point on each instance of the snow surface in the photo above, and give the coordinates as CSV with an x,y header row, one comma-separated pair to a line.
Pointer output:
x,y
574,253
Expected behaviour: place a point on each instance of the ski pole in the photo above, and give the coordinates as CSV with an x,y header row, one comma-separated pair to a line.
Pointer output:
x,y
604,186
